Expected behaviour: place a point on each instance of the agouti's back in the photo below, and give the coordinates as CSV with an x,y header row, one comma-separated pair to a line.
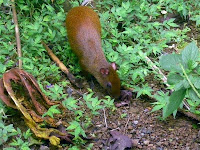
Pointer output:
x,y
84,35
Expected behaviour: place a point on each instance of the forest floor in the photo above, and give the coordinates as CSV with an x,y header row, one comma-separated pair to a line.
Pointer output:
x,y
146,130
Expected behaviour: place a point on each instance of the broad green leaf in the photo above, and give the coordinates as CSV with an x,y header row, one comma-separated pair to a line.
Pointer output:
x,y
179,85
190,54
157,107
174,78
170,62
174,102
197,82
193,95
186,84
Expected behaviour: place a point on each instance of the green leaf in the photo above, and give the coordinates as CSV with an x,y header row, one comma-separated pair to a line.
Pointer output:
x,y
197,82
190,54
186,84
1,2
179,85
174,102
193,95
157,107
174,79
170,62
9,148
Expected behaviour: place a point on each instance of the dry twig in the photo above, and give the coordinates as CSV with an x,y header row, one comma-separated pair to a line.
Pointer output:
x,y
70,76
17,34
164,78
105,118
126,124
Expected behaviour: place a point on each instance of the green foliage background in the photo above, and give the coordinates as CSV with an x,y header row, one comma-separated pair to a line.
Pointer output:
x,y
131,30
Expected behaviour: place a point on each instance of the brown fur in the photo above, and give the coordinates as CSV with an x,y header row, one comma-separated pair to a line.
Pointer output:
x,y
84,35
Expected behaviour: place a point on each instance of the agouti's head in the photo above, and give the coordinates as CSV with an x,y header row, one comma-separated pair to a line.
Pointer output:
x,y
110,80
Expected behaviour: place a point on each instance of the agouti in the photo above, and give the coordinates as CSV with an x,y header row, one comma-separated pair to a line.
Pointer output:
x,y
84,36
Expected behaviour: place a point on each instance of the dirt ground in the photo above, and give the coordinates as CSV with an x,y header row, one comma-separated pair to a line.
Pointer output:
x,y
147,131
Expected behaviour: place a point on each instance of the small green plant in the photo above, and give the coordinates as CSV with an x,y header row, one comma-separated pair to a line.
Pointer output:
x,y
55,92
20,144
77,130
93,103
123,115
6,132
162,99
21,140
109,103
184,76
70,103
145,90
51,111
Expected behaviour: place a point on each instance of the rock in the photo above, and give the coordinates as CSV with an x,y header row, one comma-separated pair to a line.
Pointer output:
x,y
135,142
146,142
135,122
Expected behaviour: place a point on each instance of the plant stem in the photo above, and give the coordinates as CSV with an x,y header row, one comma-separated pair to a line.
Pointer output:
x,y
189,81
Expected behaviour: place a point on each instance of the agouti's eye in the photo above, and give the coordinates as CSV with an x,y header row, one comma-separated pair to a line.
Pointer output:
x,y
109,85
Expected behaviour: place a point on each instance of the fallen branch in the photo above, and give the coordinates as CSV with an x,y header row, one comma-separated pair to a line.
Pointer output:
x,y
187,113
164,79
17,34
70,76
105,118
86,2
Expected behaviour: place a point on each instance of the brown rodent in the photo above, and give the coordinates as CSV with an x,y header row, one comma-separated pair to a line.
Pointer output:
x,y
84,35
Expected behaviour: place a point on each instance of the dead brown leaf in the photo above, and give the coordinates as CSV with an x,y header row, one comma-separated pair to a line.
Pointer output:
x,y
19,90
118,141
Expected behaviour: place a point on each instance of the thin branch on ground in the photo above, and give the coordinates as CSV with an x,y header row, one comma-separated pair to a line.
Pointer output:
x,y
105,118
126,124
17,34
164,78
155,68
86,2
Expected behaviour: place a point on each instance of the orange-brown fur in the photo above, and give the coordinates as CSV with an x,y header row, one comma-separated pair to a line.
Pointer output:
x,y
84,35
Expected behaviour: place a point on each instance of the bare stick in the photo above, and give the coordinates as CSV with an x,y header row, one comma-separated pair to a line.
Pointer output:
x,y
155,68
86,2
105,119
70,76
164,78
126,124
17,34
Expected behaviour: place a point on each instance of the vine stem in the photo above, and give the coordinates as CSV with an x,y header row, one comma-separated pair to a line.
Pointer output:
x,y
189,81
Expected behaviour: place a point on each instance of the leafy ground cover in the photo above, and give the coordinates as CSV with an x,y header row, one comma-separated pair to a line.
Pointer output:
x,y
131,31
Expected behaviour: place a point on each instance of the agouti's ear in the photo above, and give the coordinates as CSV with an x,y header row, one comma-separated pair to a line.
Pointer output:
x,y
104,71
114,66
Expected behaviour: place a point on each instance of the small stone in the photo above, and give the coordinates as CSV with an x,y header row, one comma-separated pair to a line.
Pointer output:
x,y
135,122
163,12
42,147
139,146
159,143
130,136
135,142
130,127
150,145
146,142
159,148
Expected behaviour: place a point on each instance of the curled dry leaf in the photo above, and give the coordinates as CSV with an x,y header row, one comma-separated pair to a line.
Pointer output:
x,y
19,90
118,141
